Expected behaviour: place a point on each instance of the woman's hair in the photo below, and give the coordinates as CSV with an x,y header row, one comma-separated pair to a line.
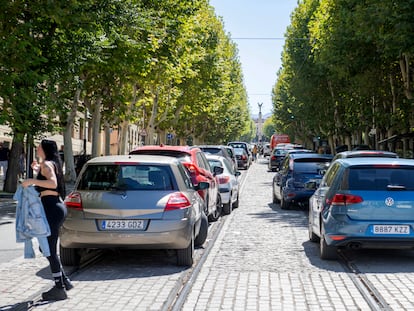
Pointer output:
x,y
52,154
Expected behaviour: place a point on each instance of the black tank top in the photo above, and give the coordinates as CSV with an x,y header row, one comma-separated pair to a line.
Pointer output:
x,y
41,177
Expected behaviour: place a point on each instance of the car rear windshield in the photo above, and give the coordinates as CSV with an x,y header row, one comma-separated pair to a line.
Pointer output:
x,y
379,178
212,150
311,166
126,177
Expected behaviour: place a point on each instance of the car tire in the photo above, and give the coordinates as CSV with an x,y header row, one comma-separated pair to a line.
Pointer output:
x,y
202,234
185,255
217,213
327,252
236,203
312,236
274,198
228,207
69,256
283,203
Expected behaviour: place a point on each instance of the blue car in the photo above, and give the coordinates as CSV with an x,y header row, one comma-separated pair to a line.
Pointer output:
x,y
298,170
364,203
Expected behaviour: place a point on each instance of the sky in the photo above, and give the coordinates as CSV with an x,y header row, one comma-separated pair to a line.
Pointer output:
x,y
260,59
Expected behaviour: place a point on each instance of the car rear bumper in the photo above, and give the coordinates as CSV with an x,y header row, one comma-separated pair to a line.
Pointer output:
x,y
160,234
297,196
355,235
372,243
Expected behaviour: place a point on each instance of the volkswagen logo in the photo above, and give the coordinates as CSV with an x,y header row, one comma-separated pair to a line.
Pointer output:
x,y
389,201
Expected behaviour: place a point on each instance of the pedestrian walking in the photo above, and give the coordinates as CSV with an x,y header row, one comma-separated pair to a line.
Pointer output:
x,y
51,187
254,151
4,158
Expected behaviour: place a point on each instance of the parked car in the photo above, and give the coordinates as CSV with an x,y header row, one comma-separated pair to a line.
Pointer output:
x,y
289,184
139,201
224,151
278,154
276,158
363,203
232,154
365,153
228,182
245,146
242,157
266,150
195,161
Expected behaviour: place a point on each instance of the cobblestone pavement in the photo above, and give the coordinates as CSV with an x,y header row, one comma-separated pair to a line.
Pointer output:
x,y
261,261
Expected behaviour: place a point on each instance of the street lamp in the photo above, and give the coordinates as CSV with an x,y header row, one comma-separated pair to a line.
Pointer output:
x,y
259,123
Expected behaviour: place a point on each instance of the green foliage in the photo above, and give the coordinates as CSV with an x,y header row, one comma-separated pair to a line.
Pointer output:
x,y
169,61
345,66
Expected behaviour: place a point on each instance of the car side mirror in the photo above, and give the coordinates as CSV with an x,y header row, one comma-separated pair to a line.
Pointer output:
x,y
311,185
202,185
237,173
217,170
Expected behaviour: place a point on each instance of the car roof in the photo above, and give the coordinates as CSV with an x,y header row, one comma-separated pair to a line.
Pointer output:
x,y
367,153
375,161
215,156
212,146
310,155
136,158
165,148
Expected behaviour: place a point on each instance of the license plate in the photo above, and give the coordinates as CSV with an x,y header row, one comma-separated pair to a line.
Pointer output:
x,y
135,224
391,229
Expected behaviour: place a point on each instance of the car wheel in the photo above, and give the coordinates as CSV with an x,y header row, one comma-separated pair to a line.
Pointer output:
x,y
312,236
69,256
217,213
202,234
274,198
327,252
185,255
236,203
228,207
283,203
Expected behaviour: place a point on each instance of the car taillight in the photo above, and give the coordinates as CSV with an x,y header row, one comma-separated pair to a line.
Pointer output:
x,y
344,199
177,200
223,179
273,158
244,157
74,201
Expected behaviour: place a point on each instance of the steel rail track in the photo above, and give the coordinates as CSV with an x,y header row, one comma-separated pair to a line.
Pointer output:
x,y
176,297
371,295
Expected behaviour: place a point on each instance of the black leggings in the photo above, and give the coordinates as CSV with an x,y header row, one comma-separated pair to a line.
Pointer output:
x,y
55,213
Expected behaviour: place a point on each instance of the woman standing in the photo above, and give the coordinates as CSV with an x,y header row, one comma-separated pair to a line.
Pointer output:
x,y
51,187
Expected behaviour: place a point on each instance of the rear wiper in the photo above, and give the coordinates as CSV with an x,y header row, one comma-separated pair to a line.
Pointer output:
x,y
396,187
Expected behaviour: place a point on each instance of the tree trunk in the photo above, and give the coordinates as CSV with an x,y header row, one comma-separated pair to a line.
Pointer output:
x,y
70,172
107,130
96,127
10,184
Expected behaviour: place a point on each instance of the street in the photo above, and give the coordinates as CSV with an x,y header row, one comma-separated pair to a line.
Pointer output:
x,y
257,258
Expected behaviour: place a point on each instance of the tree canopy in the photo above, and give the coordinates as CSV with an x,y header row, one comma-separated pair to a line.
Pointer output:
x,y
346,75
163,65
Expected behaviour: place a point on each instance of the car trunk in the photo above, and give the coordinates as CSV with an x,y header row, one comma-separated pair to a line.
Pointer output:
x,y
382,206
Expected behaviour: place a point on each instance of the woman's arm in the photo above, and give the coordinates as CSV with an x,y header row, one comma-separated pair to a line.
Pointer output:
x,y
47,170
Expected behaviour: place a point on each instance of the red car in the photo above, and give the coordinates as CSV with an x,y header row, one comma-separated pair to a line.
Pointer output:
x,y
197,164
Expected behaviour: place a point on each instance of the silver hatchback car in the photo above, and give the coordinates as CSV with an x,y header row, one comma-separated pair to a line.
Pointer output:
x,y
135,201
